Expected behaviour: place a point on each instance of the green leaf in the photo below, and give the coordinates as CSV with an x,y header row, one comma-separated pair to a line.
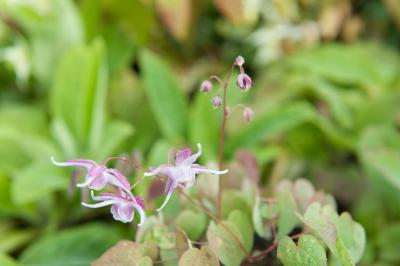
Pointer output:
x,y
234,200
204,126
37,181
287,218
343,254
224,244
353,236
5,260
272,123
165,96
242,222
73,247
193,223
380,155
322,221
81,81
14,239
196,257
309,252
182,242
125,253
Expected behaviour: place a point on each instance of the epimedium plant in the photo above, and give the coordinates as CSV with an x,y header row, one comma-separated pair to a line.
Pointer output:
x,y
232,225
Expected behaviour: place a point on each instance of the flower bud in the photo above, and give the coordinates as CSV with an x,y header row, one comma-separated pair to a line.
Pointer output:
x,y
244,82
216,101
206,86
248,114
239,60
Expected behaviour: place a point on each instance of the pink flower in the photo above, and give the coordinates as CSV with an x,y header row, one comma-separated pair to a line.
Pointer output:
x,y
182,174
239,60
248,114
98,175
216,101
244,82
206,86
123,205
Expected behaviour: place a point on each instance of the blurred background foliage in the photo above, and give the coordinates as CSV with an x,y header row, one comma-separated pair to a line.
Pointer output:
x,y
95,78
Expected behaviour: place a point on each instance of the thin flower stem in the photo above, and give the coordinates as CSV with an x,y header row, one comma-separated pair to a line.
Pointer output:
x,y
215,218
222,138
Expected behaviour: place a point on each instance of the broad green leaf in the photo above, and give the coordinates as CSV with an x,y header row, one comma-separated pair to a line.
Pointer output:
x,y
18,149
309,252
115,133
81,81
322,221
269,124
224,244
353,236
5,260
287,218
343,254
182,242
125,253
169,256
78,246
379,151
243,223
204,126
196,257
37,181
165,96
14,239
234,200
193,223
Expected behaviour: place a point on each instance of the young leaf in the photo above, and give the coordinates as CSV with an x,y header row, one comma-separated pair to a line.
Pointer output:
x,y
193,223
242,222
309,252
224,244
196,257
125,253
165,96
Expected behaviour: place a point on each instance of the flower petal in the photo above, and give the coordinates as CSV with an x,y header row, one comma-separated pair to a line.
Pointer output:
x,y
141,212
172,187
118,179
162,169
101,204
209,171
83,163
191,159
182,155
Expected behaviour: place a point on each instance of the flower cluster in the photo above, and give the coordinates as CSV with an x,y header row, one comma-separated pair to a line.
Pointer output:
x,y
123,203
243,81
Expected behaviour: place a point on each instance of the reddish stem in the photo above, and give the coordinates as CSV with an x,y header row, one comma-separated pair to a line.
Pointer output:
x,y
222,138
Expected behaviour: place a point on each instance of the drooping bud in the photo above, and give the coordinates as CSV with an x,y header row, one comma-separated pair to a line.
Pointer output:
x,y
248,114
216,101
239,60
206,86
244,82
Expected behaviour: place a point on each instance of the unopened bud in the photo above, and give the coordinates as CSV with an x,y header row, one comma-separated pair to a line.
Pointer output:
x,y
206,86
239,60
216,101
244,82
248,114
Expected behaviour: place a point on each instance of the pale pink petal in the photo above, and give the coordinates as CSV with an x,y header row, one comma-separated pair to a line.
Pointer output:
x,y
126,213
141,212
87,182
83,163
162,169
101,204
190,160
209,171
99,182
172,187
119,179
182,155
